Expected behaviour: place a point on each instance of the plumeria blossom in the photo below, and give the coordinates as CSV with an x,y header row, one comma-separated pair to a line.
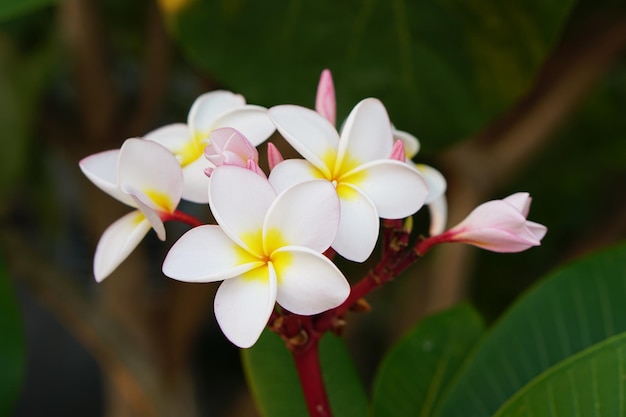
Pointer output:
x,y
143,175
229,147
210,111
325,104
498,226
369,184
267,247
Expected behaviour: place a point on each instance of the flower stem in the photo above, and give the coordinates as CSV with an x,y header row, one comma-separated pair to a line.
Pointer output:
x,y
310,374
424,245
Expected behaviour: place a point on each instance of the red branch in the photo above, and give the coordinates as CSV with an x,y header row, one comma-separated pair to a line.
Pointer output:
x,y
310,373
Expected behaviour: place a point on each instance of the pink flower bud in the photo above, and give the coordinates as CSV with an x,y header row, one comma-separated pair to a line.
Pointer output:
x,y
397,152
229,147
325,103
274,157
500,226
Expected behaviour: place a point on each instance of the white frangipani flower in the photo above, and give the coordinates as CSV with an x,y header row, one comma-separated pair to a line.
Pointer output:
x,y
143,175
369,184
267,248
210,111
325,104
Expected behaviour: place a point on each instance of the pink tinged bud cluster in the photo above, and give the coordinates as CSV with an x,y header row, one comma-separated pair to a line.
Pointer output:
x,y
368,183
498,226
143,175
209,112
267,248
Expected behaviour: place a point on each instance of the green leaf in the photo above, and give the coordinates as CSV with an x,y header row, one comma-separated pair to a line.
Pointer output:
x,y
573,309
590,383
345,389
275,386
11,344
10,9
443,68
419,367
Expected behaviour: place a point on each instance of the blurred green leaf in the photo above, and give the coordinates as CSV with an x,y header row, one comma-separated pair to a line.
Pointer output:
x,y
11,344
272,377
275,386
10,9
418,368
443,68
589,383
575,308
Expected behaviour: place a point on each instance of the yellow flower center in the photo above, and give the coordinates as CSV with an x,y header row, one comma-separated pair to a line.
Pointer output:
x,y
192,149
338,174
273,240
162,200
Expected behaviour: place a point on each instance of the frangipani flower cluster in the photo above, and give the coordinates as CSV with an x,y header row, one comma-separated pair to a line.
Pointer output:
x,y
273,233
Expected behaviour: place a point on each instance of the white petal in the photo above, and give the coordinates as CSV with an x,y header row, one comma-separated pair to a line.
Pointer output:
x,y
101,169
239,200
195,181
174,137
521,201
358,225
117,242
252,121
438,209
396,189
206,254
308,282
367,134
411,143
151,168
309,133
435,181
291,172
306,214
537,230
150,211
243,305
207,108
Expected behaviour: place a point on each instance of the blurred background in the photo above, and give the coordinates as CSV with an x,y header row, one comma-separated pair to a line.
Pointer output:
x,y
504,96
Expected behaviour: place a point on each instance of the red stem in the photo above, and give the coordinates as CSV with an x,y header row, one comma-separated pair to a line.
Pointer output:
x,y
424,245
310,374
